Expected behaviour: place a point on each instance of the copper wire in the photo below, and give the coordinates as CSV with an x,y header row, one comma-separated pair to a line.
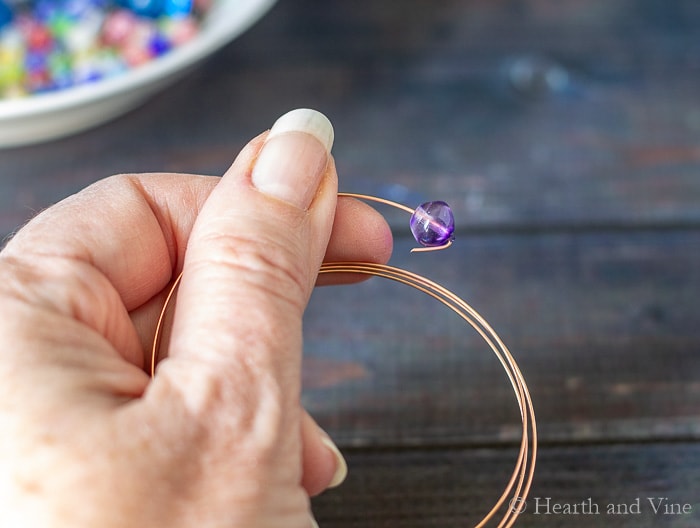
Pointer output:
x,y
518,487
524,470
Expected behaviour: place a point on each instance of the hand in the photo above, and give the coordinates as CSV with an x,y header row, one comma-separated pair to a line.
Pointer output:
x,y
218,437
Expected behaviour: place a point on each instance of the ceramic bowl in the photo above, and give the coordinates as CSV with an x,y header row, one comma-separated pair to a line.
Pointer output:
x,y
56,114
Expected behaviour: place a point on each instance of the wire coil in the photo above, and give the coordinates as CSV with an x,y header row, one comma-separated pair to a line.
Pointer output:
x,y
515,494
518,487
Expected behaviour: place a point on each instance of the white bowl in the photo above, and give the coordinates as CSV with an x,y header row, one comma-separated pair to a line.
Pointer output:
x,y
52,115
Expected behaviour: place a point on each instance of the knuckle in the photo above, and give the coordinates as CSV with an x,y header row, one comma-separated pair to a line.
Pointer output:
x,y
242,405
57,284
271,266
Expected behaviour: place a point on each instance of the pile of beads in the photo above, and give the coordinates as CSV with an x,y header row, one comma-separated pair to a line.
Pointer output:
x,y
48,45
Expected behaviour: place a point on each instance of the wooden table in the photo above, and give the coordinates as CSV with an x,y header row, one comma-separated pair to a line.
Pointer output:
x,y
566,136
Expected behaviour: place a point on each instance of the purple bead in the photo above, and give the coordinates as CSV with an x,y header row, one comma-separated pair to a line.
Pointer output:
x,y
159,44
433,224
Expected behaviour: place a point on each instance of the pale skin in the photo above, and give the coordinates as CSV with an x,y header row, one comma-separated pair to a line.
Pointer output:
x,y
218,438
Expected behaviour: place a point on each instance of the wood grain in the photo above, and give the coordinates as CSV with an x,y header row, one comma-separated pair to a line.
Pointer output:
x,y
455,488
604,326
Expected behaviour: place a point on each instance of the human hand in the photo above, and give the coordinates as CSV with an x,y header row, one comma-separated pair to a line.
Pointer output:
x,y
218,438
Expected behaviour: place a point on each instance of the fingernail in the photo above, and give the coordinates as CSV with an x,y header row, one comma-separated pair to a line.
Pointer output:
x,y
294,157
341,468
314,524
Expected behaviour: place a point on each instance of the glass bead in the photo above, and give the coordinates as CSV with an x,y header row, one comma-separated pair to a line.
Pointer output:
x,y
180,30
159,44
146,8
177,8
433,224
84,35
117,27
6,14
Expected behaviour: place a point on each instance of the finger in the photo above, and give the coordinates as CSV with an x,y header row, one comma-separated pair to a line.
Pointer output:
x,y
250,266
108,249
323,465
360,234
131,228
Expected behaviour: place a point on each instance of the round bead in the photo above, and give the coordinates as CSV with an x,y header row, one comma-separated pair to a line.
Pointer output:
x,y
39,38
158,44
177,8
117,27
433,224
5,14
146,8
179,30
84,35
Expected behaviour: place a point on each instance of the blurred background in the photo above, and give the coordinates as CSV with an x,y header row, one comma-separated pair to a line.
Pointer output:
x,y
566,137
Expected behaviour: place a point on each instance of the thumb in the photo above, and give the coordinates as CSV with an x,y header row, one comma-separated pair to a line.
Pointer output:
x,y
251,263
255,250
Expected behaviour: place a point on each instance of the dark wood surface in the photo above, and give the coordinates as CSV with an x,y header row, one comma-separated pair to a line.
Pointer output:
x,y
566,136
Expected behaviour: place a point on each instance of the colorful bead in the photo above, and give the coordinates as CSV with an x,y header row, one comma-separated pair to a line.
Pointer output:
x,y
84,34
433,224
158,45
146,8
117,27
60,25
6,15
179,30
